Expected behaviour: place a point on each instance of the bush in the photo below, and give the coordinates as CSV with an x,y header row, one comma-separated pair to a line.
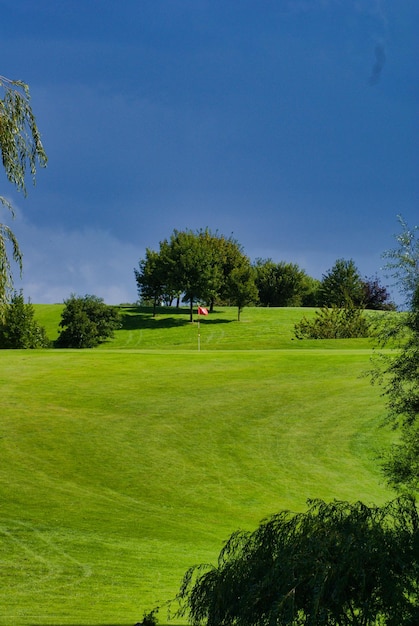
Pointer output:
x,y
337,563
334,323
86,322
19,329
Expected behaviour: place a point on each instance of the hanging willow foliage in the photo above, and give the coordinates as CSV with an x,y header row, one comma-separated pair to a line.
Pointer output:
x,y
21,149
338,564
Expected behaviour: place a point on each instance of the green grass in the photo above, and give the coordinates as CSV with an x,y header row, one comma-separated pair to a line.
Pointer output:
x,y
259,329
49,315
120,467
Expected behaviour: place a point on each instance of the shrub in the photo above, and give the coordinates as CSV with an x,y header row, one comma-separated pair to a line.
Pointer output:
x,y
334,323
86,322
18,328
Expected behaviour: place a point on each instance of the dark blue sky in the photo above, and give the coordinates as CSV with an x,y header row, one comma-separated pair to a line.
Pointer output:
x,y
291,124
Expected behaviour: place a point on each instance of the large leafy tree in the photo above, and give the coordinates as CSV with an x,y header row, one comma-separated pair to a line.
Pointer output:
x,y
342,284
21,149
86,322
240,286
336,564
281,284
229,254
203,266
154,277
195,270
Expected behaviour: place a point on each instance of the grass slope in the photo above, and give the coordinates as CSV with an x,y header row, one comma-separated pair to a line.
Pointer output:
x,y
259,329
119,468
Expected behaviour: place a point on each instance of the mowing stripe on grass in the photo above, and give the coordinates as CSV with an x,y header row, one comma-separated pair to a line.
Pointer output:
x,y
121,468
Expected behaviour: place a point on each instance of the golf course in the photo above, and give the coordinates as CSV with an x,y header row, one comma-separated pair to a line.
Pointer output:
x,y
122,466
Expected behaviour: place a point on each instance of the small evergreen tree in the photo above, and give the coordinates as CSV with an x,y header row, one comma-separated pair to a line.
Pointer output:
x,y
342,284
18,328
86,322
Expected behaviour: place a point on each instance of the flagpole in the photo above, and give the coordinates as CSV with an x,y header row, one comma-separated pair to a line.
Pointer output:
x,y
201,310
199,333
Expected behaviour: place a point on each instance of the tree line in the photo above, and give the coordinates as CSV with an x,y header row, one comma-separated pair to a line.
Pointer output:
x,y
209,268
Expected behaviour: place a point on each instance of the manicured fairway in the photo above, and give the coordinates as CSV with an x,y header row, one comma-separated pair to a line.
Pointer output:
x,y
120,468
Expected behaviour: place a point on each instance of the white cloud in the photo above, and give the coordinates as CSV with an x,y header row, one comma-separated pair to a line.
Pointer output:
x,y
57,263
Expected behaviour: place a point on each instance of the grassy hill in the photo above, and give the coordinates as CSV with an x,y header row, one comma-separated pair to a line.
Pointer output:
x,y
259,329
122,466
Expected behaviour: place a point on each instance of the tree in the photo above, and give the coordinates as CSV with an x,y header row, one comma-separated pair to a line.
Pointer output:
x,y
341,285
18,328
335,564
228,255
281,284
240,287
153,277
398,371
403,261
401,385
238,277
310,297
194,270
86,322
376,297
21,148
203,266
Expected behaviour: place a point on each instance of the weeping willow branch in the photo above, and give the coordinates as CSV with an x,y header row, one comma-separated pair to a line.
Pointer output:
x,y
21,150
6,276
20,141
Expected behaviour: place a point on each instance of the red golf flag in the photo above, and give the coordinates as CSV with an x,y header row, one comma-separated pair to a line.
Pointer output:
x,y
202,310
